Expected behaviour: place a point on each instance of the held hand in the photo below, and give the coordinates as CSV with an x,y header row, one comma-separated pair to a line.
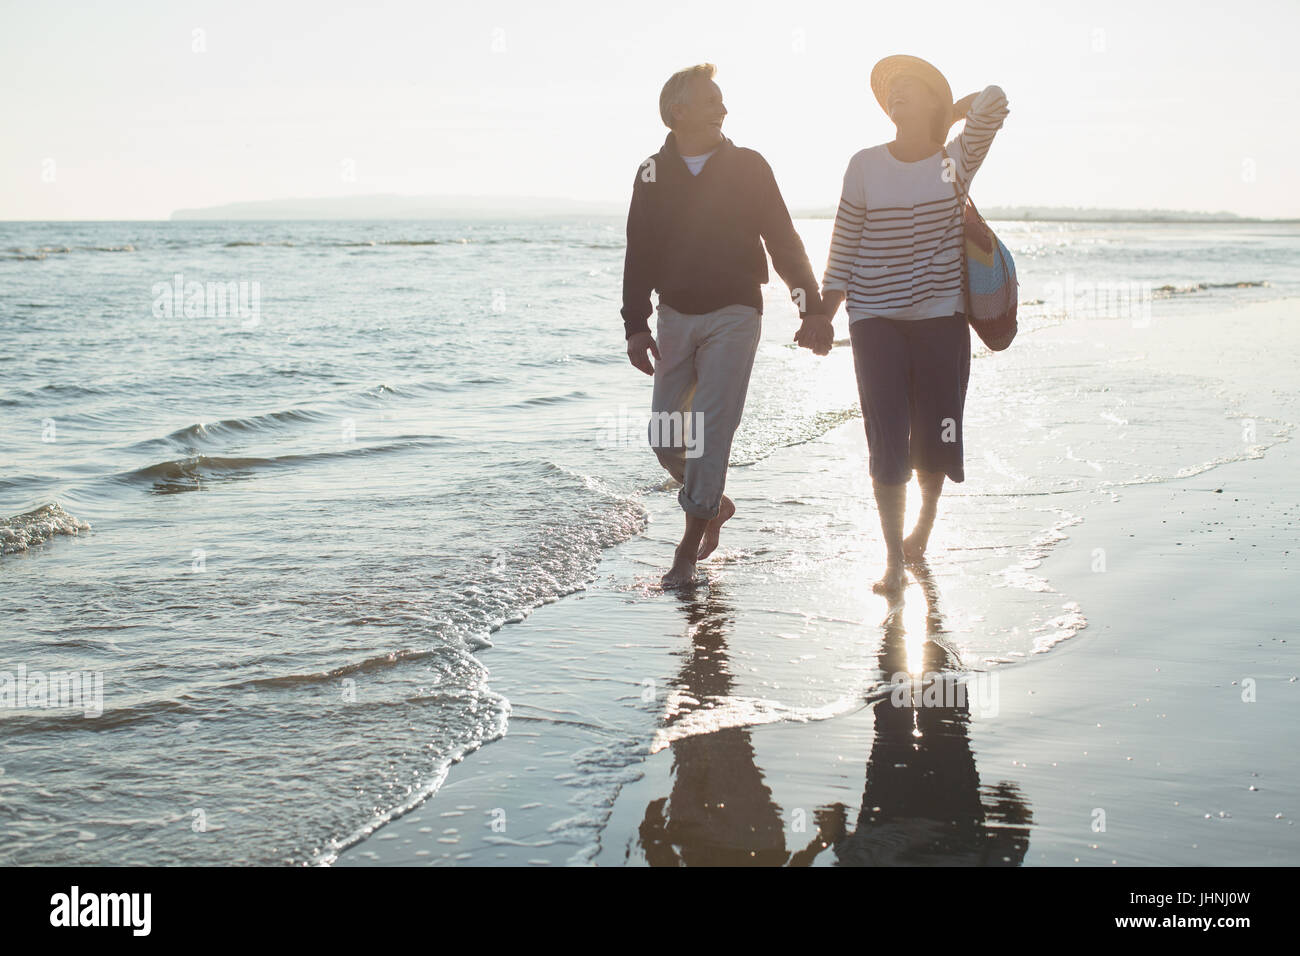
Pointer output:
x,y
816,333
637,346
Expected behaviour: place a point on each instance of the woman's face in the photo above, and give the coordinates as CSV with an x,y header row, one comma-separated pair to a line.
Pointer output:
x,y
911,101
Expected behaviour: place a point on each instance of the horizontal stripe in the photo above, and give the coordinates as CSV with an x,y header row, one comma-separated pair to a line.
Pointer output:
x,y
902,302
896,257
887,285
907,293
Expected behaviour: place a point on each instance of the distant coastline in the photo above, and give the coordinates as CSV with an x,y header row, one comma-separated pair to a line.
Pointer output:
x,y
404,207
525,207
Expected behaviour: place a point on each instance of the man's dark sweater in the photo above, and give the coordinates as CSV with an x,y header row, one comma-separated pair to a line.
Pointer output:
x,y
696,239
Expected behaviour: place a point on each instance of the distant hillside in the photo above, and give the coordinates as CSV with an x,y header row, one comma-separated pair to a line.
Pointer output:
x,y
531,207
1077,214
404,207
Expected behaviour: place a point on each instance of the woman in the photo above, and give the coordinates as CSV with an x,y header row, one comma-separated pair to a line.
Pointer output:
x,y
896,256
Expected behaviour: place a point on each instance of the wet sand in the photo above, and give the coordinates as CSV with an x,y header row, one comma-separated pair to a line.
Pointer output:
x,y
747,723
1157,738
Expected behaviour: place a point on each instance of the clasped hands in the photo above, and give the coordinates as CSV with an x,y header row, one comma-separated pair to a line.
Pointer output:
x,y
816,333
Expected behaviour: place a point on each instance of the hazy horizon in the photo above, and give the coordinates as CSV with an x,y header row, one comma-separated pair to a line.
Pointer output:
x,y
134,115
396,207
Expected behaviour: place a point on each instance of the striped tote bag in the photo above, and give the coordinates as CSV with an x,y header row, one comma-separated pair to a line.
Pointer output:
x,y
989,277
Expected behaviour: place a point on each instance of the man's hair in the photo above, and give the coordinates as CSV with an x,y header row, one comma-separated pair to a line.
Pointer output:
x,y
676,90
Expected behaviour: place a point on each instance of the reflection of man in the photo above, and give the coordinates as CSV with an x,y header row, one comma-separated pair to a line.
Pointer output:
x,y
701,210
720,812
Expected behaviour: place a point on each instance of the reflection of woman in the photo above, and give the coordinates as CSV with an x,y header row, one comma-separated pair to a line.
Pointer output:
x,y
896,257
923,803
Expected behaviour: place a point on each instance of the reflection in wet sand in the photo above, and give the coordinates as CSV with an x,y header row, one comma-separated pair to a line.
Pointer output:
x,y
720,812
922,803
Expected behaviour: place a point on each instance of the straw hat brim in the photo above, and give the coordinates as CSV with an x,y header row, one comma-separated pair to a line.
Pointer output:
x,y
892,67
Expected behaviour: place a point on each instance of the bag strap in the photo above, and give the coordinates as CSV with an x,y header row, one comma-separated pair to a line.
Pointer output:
x,y
963,198
956,181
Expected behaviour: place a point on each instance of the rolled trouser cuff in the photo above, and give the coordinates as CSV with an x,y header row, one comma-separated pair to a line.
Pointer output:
x,y
697,510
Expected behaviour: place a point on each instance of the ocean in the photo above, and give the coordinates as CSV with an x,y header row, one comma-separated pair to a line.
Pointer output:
x,y
274,487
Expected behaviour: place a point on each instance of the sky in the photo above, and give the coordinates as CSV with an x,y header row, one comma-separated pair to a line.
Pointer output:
x,y
134,109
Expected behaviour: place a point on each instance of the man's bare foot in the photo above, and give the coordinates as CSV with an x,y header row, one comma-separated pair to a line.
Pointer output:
x,y
682,572
914,545
709,543
892,581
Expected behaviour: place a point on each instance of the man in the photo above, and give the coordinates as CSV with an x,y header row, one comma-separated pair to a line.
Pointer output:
x,y
701,210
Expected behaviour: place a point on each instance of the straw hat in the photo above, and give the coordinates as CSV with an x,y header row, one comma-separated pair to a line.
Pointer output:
x,y
892,67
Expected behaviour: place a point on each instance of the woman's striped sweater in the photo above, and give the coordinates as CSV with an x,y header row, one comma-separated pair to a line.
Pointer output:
x,y
897,246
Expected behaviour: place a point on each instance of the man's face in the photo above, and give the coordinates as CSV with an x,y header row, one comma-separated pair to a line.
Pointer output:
x,y
910,98
703,110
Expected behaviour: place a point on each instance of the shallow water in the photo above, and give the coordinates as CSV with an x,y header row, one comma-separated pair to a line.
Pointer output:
x,y
281,534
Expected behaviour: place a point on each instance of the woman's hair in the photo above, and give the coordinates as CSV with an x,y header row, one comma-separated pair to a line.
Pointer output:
x,y
675,91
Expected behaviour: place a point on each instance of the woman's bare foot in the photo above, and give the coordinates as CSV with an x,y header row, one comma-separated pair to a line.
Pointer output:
x,y
892,581
709,543
914,545
683,570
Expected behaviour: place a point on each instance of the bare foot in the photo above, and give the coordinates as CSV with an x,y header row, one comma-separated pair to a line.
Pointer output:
x,y
682,572
709,543
914,545
891,582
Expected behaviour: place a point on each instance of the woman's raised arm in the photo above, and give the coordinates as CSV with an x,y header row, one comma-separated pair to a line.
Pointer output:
x,y
984,114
